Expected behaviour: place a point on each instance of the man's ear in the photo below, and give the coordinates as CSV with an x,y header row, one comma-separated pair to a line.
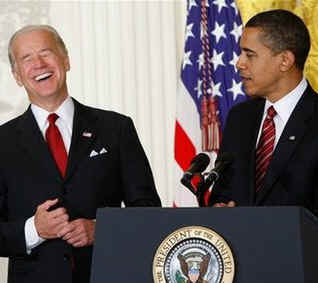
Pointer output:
x,y
16,76
288,60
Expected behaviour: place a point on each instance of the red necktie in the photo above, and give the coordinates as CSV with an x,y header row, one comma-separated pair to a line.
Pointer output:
x,y
56,144
265,147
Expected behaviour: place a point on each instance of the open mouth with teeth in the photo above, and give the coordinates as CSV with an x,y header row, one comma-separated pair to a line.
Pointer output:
x,y
43,77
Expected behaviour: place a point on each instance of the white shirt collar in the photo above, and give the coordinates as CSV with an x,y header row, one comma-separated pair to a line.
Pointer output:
x,y
65,112
285,106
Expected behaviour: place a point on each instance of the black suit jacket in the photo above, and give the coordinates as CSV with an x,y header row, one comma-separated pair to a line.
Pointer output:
x,y
292,175
29,176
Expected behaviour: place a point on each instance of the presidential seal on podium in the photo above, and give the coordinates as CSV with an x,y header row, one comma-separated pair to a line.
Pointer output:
x,y
193,254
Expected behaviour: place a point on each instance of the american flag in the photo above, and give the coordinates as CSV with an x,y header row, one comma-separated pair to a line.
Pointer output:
x,y
210,84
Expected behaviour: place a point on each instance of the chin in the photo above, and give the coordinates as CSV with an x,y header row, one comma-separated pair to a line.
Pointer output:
x,y
249,93
47,92
253,96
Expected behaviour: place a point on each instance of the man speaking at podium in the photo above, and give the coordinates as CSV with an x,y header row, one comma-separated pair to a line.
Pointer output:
x,y
273,137
59,162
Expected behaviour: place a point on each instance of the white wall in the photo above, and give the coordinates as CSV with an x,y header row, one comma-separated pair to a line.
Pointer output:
x,y
125,56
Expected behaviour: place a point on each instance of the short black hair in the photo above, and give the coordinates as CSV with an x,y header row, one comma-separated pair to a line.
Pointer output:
x,y
283,30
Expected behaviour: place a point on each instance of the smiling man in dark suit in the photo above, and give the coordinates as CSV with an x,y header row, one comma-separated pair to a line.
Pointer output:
x,y
55,172
273,136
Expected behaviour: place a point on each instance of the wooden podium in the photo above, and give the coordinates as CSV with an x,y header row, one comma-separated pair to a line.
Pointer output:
x,y
269,244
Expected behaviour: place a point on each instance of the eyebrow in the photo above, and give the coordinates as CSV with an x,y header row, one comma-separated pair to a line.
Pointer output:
x,y
245,49
25,56
45,49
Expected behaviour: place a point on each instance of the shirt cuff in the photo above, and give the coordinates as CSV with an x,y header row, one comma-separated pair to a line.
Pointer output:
x,y
32,239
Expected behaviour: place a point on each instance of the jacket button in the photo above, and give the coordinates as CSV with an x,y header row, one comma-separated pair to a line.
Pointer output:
x,y
66,257
70,259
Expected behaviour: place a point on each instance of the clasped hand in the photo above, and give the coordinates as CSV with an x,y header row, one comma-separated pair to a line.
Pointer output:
x,y
222,204
55,224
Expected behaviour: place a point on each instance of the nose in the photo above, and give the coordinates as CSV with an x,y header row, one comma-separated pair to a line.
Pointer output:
x,y
38,62
240,63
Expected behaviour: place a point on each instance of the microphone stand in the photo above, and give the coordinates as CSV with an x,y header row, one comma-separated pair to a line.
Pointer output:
x,y
203,187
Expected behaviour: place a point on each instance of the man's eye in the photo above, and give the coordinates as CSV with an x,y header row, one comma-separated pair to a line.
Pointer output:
x,y
26,59
45,53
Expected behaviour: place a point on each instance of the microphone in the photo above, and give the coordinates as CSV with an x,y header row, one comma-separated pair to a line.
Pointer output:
x,y
204,191
198,164
222,161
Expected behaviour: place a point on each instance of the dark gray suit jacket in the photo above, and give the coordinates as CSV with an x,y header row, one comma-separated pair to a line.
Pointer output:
x,y
29,176
292,176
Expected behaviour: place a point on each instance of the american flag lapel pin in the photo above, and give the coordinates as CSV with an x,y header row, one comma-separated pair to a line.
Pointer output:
x,y
87,134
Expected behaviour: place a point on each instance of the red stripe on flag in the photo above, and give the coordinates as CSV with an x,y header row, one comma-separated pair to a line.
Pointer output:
x,y
184,149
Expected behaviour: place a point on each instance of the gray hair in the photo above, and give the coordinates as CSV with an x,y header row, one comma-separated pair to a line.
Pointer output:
x,y
30,28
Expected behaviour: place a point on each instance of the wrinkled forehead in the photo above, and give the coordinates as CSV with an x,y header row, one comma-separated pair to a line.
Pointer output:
x,y
35,40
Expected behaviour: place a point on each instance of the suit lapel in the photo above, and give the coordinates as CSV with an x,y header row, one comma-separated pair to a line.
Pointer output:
x,y
83,137
31,140
291,136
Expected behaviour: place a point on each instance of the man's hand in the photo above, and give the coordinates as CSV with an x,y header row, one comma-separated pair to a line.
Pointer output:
x,y
222,204
79,233
48,223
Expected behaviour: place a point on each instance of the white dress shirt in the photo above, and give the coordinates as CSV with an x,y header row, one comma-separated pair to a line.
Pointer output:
x,y
65,126
283,107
